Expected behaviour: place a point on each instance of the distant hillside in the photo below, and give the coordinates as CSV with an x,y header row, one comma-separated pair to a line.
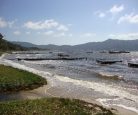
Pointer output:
x,y
25,44
34,46
7,46
30,45
110,44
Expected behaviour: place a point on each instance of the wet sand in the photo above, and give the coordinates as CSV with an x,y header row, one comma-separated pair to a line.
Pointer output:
x,y
122,111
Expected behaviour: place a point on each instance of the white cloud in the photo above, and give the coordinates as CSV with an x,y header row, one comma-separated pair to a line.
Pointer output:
x,y
47,24
62,28
100,14
3,23
89,34
127,36
17,32
49,32
131,18
116,9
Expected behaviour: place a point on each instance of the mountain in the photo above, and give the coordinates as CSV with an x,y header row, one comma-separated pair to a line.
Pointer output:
x,y
110,44
25,44
7,46
30,45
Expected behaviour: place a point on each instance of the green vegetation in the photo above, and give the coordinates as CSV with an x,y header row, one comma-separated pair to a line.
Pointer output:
x,y
1,53
51,106
12,79
7,46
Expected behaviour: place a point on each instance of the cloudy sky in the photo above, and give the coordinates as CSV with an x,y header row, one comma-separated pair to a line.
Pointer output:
x,y
68,21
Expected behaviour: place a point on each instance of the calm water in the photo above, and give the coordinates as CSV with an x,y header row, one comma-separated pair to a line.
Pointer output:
x,y
115,84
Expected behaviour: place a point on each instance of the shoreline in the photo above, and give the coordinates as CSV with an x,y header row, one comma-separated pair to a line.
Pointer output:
x,y
50,91
57,93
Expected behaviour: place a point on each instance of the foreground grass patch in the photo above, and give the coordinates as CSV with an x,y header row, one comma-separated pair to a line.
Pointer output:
x,y
1,53
12,79
51,106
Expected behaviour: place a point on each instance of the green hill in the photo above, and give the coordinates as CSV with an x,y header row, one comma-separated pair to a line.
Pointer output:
x,y
7,46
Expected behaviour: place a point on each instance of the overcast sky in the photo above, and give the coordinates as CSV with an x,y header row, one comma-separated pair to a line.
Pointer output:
x,y
68,21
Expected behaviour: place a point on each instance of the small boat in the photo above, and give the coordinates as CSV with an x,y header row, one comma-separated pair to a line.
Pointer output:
x,y
89,52
101,61
132,64
63,55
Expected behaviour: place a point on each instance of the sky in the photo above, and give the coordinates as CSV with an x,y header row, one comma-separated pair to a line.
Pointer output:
x,y
68,22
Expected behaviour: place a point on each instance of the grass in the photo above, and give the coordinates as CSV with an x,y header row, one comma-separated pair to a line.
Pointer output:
x,y
1,53
12,79
52,106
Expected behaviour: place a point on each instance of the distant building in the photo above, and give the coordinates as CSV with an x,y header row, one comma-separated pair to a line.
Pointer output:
x,y
1,36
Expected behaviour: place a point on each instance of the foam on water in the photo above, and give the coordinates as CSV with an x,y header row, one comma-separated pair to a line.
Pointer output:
x,y
101,87
2,56
104,102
